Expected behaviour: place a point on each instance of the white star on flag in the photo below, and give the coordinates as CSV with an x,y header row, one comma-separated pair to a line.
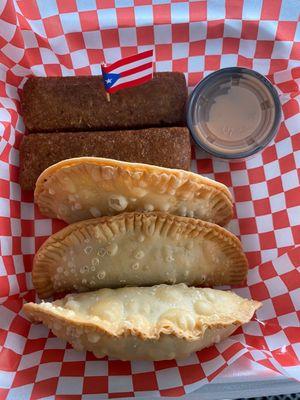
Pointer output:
x,y
127,72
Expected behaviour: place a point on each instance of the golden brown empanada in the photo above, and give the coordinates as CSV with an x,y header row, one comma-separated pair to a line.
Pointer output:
x,y
144,323
80,188
137,249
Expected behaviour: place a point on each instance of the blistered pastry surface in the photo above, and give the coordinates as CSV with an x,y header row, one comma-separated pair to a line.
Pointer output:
x,y
138,249
100,320
89,187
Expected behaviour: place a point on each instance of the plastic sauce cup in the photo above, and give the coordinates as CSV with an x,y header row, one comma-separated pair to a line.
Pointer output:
x,y
233,113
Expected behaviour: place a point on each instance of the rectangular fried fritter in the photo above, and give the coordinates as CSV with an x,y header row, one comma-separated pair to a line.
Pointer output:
x,y
166,147
78,103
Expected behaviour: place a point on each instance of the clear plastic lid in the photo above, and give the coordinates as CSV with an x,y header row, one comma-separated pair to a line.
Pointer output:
x,y
233,113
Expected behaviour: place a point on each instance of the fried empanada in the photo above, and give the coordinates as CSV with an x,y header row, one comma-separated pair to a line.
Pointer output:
x,y
144,323
80,188
137,249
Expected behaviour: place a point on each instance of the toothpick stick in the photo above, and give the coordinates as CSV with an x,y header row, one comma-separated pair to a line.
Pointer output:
x,y
107,96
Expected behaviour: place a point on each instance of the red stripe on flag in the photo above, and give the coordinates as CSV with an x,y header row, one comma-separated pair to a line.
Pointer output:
x,y
134,82
127,60
136,69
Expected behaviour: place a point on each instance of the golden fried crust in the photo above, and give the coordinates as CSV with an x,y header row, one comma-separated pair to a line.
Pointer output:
x,y
154,323
81,188
138,249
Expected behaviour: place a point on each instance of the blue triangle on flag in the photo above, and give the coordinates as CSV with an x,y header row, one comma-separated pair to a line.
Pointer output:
x,y
110,79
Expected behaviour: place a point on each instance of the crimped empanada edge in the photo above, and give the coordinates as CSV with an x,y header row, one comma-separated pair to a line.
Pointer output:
x,y
220,190
42,280
116,163
33,311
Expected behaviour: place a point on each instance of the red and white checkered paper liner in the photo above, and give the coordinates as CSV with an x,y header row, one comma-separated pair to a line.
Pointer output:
x,y
58,37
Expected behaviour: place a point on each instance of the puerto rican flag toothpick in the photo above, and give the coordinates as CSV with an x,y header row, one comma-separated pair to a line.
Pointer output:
x,y
127,72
